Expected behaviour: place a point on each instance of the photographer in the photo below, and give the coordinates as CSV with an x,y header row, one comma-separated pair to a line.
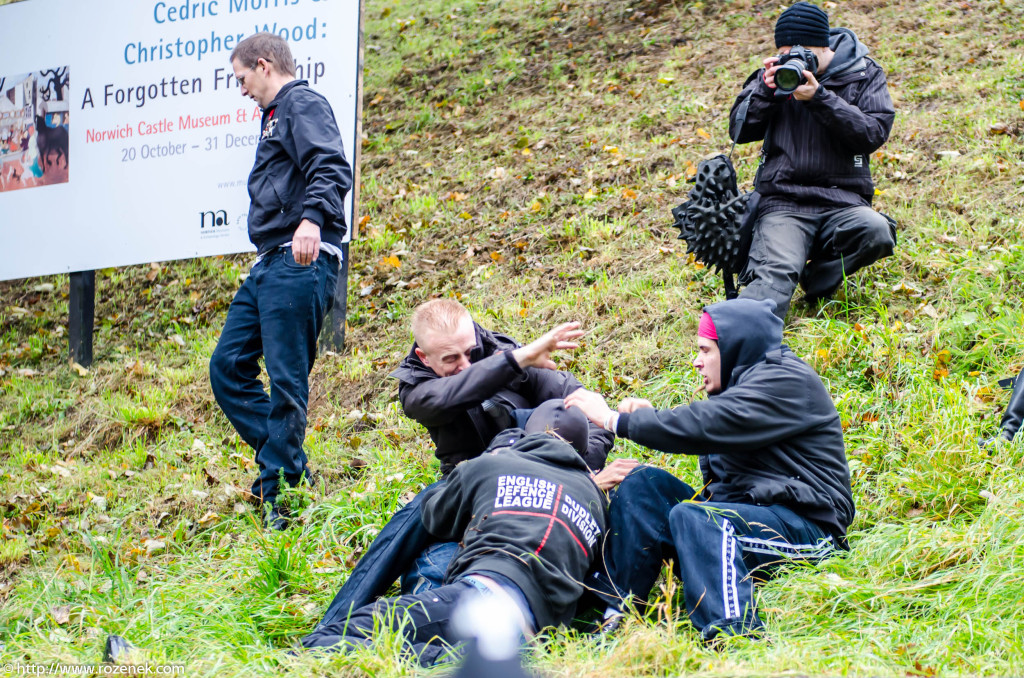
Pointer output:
x,y
815,180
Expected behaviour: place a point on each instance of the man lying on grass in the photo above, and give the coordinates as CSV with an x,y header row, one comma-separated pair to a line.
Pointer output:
x,y
775,477
465,384
529,517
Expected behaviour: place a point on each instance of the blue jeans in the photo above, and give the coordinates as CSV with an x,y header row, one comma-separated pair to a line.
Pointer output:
x,y
837,243
393,550
430,568
277,313
718,549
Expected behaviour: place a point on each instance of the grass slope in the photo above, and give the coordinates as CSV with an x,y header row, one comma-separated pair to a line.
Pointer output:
x,y
524,155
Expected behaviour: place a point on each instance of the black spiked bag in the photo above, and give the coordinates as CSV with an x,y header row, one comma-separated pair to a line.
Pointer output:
x,y
717,221
714,221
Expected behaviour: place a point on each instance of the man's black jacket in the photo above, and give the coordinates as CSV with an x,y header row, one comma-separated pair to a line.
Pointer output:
x,y
531,513
818,154
452,408
771,436
300,170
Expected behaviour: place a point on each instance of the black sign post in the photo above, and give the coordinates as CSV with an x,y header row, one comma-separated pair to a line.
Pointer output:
x,y
339,313
81,309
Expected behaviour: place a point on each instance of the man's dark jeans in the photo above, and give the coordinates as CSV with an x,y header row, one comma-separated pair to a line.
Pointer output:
x,y
718,549
424,619
838,243
393,550
277,313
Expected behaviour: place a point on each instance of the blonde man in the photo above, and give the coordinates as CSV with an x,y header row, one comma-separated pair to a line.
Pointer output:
x,y
465,384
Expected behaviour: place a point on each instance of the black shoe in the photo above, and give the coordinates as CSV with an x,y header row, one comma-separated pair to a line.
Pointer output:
x,y
604,628
275,519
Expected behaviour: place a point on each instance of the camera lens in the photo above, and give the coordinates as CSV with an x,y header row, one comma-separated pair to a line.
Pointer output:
x,y
790,76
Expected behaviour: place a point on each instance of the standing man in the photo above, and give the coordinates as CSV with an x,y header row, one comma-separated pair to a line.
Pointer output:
x,y
296,220
815,180
776,483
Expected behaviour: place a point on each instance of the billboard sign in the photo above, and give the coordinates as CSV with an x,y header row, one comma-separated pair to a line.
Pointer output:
x,y
124,137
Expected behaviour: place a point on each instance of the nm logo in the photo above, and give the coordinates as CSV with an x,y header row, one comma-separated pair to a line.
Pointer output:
x,y
212,219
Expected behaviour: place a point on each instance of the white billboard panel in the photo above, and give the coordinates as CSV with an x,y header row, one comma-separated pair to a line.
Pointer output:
x,y
124,138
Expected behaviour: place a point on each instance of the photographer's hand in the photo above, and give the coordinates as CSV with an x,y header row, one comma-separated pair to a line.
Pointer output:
x,y
769,70
806,91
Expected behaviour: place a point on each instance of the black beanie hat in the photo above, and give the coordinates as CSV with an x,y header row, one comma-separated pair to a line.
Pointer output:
x,y
570,424
802,24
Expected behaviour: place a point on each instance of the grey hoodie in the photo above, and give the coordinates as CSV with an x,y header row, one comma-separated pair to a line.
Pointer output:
x,y
771,436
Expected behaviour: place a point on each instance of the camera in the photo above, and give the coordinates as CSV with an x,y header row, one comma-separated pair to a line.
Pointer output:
x,y
791,67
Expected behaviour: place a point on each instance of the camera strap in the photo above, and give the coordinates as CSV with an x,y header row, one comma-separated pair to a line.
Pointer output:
x,y
741,117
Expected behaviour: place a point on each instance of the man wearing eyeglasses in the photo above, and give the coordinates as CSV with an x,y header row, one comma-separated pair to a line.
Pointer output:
x,y
297,189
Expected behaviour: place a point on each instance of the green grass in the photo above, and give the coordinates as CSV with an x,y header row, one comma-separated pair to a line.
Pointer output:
x,y
524,156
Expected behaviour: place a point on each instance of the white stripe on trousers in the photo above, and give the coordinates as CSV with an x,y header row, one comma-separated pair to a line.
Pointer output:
x,y
730,596
822,549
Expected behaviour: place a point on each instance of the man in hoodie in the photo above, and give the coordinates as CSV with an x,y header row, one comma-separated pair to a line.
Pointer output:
x,y
776,484
529,518
815,178
466,385
296,220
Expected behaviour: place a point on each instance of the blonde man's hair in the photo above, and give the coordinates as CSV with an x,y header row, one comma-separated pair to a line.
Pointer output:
x,y
437,315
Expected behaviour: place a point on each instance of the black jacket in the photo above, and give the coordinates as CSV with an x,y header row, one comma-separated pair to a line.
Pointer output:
x,y
530,513
451,408
1014,414
771,436
300,170
819,151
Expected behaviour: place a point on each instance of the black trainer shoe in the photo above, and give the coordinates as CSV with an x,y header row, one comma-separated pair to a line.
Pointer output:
x,y
274,519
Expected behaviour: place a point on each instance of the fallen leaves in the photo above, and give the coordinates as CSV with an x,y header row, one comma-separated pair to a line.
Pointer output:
x,y
154,546
154,271
61,614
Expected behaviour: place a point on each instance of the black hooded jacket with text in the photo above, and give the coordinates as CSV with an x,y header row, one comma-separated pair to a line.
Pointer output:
x,y
531,513
770,436
452,408
818,155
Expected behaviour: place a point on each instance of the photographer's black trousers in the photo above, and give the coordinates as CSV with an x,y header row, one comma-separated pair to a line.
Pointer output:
x,y
837,243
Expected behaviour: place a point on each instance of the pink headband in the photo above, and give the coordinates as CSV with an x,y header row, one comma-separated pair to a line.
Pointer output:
x,y
706,328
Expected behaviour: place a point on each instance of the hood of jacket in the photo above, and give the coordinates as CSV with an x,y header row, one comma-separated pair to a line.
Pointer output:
x,y
413,371
747,330
849,54
544,448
